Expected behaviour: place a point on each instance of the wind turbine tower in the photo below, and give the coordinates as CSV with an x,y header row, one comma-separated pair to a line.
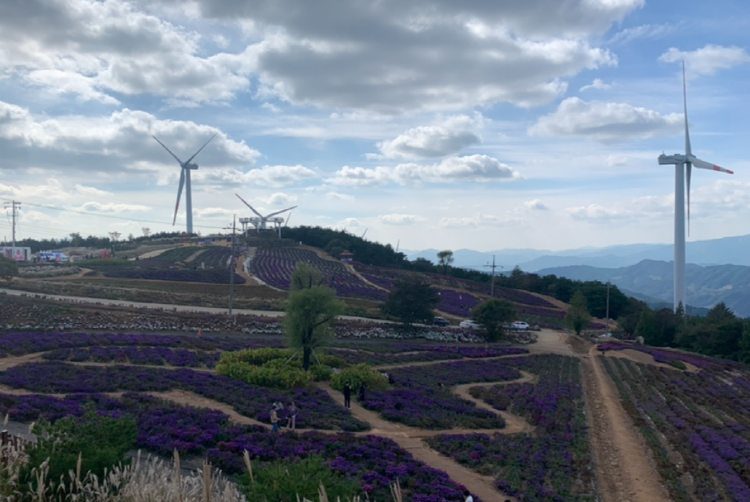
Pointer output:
x,y
683,164
185,168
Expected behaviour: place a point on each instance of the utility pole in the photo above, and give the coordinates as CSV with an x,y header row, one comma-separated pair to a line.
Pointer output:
x,y
607,321
492,281
14,207
232,266
114,236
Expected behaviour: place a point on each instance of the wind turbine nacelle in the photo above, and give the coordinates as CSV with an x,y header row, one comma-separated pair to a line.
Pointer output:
x,y
674,160
191,166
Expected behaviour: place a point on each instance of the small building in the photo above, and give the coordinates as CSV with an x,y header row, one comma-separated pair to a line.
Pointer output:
x,y
346,257
16,253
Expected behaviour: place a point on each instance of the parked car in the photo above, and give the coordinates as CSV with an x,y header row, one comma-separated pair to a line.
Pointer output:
x,y
520,326
440,321
469,324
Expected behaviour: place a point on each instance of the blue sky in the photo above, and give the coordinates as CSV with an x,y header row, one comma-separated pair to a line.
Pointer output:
x,y
433,123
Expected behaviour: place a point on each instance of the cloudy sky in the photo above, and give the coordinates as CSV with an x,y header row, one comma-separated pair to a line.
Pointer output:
x,y
429,123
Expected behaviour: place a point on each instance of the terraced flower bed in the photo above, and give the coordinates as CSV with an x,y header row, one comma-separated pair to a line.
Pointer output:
x,y
210,276
701,418
318,410
375,462
553,463
137,355
275,267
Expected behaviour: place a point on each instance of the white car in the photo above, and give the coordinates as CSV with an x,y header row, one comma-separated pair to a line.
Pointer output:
x,y
469,324
520,325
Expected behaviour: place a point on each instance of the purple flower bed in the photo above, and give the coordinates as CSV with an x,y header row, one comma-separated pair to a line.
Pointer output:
x,y
553,464
275,267
376,462
211,276
25,343
458,372
456,303
137,355
667,356
702,416
317,409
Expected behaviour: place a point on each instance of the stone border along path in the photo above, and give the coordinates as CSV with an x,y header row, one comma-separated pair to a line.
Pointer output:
x,y
618,449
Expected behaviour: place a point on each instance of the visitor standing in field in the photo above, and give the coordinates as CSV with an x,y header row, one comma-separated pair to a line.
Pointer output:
x,y
362,392
274,420
467,496
292,416
347,395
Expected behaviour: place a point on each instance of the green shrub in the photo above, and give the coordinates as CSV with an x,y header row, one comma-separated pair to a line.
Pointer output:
x,y
357,374
332,361
321,373
255,357
677,364
290,480
274,373
101,441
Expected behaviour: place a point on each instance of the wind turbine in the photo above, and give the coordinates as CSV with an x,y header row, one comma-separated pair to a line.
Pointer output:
x,y
261,222
185,168
683,165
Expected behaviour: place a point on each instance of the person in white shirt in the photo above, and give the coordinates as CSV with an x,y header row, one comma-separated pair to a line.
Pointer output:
x,y
468,496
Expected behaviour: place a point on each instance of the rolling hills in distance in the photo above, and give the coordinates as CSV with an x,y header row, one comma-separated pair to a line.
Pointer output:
x,y
718,269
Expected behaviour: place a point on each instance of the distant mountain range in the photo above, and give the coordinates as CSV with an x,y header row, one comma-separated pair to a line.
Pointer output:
x,y
729,250
652,280
718,269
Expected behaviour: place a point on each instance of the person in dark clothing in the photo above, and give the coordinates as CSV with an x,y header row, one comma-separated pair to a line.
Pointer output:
x,y
362,392
347,395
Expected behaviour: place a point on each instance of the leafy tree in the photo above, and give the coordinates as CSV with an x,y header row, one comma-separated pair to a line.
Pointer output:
x,y
305,276
578,313
745,344
422,265
411,302
309,316
101,441
445,259
8,268
647,327
492,314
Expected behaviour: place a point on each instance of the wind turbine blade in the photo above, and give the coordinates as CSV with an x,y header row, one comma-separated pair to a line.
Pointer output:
x,y
688,169
251,207
279,212
167,149
287,219
702,164
201,148
179,194
688,150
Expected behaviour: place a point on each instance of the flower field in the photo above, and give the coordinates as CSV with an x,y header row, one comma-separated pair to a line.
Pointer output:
x,y
697,424
554,462
275,267
151,356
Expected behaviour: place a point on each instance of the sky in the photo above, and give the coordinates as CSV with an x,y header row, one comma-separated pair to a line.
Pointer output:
x,y
427,124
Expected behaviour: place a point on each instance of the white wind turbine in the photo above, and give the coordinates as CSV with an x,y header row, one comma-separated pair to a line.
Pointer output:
x,y
261,222
683,164
185,168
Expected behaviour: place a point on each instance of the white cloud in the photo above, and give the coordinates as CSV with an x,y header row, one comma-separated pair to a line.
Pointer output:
x,y
605,122
110,207
470,168
708,59
266,176
644,31
596,212
87,190
536,205
348,222
214,212
482,220
394,56
278,199
400,219
339,196
597,84
450,137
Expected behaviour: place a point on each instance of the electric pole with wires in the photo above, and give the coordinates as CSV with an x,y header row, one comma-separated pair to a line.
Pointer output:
x,y
492,281
14,207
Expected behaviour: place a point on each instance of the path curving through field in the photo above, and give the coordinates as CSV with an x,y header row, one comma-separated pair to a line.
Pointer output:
x,y
625,470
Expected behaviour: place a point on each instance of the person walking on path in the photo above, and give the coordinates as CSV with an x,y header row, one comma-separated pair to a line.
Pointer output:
x,y
347,395
362,392
292,424
467,496
274,420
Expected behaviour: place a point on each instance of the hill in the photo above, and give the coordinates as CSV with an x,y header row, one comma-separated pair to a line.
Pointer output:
x,y
728,250
706,285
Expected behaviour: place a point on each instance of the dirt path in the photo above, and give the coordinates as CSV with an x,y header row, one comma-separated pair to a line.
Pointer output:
x,y
513,423
409,438
625,470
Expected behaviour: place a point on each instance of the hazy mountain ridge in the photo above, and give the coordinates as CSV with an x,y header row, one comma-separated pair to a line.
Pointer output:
x,y
728,250
706,286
